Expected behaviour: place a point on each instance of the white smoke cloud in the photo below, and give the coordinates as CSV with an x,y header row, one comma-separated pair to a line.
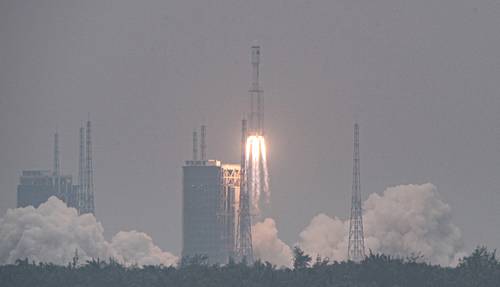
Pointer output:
x,y
138,247
405,220
267,246
52,232
412,219
325,236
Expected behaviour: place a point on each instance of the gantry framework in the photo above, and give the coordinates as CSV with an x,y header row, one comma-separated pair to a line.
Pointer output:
x,y
86,172
244,239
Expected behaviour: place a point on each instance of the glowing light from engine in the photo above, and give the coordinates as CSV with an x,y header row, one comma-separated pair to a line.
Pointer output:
x,y
257,174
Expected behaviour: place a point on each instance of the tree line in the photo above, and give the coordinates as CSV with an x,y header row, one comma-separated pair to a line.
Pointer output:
x,y
481,268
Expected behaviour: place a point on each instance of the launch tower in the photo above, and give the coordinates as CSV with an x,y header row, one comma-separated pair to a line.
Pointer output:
x,y
86,172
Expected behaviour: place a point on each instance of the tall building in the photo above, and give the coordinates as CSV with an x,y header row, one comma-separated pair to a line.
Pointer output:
x,y
201,190
36,186
210,204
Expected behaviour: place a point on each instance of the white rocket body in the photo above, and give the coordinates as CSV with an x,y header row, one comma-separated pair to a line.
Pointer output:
x,y
256,117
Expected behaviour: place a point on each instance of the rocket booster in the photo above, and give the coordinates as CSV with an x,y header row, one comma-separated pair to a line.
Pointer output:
x,y
256,117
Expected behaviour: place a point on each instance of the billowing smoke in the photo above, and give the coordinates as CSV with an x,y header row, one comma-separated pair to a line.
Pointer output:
x,y
325,236
267,246
404,221
52,232
138,247
412,219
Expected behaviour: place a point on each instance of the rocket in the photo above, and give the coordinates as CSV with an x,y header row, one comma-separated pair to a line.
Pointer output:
x,y
256,117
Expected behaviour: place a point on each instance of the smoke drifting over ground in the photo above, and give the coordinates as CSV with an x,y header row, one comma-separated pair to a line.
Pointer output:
x,y
267,246
405,220
53,231
412,219
325,236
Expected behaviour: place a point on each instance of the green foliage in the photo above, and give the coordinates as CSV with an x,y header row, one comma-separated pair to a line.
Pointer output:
x,y
481,268
300,259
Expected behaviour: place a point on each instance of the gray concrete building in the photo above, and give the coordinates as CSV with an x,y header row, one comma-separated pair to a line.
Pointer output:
x,y
209,209
36,186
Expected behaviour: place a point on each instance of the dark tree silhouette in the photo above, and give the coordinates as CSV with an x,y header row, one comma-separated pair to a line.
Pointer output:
x,y
480,269
300,259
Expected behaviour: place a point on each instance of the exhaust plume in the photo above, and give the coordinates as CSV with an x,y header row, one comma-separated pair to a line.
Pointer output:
x,y
267,246
326,236
52,232
257,173
405,220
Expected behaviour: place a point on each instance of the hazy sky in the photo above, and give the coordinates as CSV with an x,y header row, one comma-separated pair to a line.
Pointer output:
x,y
422,77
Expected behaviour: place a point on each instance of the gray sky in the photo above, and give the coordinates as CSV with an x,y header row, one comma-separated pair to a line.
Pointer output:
x,y
422,77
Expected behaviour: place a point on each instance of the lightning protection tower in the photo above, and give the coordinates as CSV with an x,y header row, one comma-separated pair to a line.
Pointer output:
x,y
356,245
86,173
56,169
81,171
244,237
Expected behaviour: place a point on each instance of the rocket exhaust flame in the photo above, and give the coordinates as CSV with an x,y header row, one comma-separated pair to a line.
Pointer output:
x,y
256,165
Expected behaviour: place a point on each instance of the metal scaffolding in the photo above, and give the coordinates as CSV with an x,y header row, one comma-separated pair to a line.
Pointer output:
x,y
244,239
86,172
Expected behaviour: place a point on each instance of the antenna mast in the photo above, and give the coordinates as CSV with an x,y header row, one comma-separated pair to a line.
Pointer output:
x,y
195,145
88,193
356,246
81,171
56,172
203,142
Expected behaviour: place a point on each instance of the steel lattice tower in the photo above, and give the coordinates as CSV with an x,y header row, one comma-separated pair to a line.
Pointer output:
x,y
195,145
86,173
57,169
244,239
356,246
81,168
90,172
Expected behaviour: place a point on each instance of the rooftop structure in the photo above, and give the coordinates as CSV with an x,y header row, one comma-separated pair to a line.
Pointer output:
x,y
36,186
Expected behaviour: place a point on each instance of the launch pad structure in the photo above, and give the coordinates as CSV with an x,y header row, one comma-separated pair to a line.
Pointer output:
x,y
36,186
217,198
211,195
